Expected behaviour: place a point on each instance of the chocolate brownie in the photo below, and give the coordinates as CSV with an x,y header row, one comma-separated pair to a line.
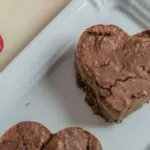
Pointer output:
x,y
25,136
143,34
34,136
113,69
73,139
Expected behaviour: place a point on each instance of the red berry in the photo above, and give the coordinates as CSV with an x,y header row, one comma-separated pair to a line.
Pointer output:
x,y
1,43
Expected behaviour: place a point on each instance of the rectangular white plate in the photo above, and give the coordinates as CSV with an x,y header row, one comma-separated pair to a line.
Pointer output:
x,y
56,101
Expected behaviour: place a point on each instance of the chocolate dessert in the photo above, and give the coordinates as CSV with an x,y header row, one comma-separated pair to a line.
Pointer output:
x,y
25,136
73,139
113,69
144,34
34,136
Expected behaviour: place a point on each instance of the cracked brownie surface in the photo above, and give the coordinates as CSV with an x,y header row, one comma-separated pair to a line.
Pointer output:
x,y
73,139
113,68
25,136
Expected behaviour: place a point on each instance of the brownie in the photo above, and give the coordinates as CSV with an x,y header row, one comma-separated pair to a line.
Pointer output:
x,y
31,135
73,139
143,34
25,136
113,69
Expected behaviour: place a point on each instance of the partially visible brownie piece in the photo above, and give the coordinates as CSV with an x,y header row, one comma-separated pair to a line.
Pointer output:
x,y
31,135
143,34
113,69
73,139
25,136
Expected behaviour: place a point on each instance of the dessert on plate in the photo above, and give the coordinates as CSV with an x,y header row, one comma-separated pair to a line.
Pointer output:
x,y
113,69
25,136
31,135
73,139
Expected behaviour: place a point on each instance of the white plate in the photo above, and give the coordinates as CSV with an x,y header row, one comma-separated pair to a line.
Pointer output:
x,y
56,101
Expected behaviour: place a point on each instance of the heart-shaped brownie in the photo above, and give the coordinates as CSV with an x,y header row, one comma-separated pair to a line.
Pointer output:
x,y
25,136
34,136
73,139
113,68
